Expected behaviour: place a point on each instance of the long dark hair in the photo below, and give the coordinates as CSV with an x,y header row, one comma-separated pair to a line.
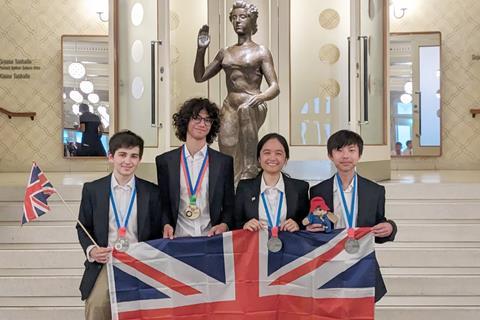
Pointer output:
x,y
271,136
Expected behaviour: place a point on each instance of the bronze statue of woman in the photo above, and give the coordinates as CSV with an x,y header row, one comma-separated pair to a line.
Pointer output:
x,y
244,109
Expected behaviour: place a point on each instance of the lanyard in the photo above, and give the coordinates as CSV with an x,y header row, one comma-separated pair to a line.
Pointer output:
x,y
280,201
348,214
192,191
129,211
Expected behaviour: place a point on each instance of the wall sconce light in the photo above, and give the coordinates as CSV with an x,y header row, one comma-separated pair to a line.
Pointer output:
x,y
400,14
399,7
103,16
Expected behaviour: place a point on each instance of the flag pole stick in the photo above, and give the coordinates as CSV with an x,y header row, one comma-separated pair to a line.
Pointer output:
x,y
78,221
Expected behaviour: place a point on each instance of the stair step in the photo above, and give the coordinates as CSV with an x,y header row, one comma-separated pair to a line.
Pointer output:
x,y
440,301
433,210
428,257
43,313
427,313
52,286
433,285
34,233
41,259
12,212
421,191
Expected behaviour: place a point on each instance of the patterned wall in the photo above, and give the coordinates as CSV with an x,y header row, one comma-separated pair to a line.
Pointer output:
x,y
33,30
459,23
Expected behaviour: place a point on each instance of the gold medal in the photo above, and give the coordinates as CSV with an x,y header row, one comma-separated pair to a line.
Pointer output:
x,y
192,212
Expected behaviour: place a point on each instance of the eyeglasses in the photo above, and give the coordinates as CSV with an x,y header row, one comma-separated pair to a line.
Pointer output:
x,y
198,119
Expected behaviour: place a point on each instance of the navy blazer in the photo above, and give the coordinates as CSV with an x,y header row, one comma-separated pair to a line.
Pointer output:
x,y
371,211
94,215
247,200
220,186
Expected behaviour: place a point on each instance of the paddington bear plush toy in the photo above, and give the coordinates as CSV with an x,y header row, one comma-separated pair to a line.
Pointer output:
x,y
320,214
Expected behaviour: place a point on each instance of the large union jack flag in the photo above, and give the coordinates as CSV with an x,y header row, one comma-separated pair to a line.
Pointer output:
x,y
36,195
234,276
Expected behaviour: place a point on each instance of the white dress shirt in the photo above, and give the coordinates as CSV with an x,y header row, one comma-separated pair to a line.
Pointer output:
x,y
272,196
200,226
122,196
338,204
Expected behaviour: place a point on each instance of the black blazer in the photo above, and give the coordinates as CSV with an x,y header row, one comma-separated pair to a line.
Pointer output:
x,y
371,211
220,186
247,200
94,215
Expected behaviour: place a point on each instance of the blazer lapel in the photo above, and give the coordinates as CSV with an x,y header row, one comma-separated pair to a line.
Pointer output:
x,y
101,215
291,196
362,197
214,171
253,200
142,208
174,168
329,193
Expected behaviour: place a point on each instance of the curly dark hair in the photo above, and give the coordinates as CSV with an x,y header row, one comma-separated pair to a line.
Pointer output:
x,y
191,108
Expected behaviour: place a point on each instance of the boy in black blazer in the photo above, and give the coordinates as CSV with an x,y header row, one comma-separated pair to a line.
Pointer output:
x,y
195,181
344,150
106,203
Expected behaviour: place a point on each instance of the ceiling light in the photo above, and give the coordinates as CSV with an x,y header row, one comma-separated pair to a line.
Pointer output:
x,y
406,98
408,87
93,98
76,70
76,96
86,86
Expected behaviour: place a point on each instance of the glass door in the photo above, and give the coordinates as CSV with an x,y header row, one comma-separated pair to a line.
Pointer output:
x,y
371,38
140,73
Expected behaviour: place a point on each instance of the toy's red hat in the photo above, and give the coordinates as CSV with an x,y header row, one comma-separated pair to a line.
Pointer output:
x,y
318,202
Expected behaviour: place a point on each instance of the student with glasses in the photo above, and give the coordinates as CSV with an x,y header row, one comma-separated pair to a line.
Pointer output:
x,y
195,181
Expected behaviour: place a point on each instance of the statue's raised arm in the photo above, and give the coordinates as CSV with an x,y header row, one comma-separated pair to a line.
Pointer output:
x,y
244,110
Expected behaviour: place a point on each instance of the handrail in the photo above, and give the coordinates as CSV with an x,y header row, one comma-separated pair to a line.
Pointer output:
x,y
10,114
474,112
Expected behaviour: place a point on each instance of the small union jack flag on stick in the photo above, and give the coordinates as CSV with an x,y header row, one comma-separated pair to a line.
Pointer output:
x,y
36,195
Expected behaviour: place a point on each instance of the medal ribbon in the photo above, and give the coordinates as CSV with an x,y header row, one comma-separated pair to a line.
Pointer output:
x,y
348,214
129,211
192,191
280,202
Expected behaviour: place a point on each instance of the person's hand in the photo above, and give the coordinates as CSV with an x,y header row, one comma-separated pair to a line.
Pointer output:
x,y
315,227
100,254
254,225
382,230
289,225
168,232
203,38
255,100
218,229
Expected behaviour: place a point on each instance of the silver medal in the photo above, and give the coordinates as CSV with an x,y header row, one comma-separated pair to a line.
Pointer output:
x,y
274,244
121,244
352,246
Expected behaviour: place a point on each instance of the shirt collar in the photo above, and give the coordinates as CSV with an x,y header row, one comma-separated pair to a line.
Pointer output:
x,y
280,186
130,184
349,188
201,153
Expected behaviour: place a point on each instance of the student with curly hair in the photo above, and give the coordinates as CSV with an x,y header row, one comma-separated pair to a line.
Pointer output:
x,y
196,182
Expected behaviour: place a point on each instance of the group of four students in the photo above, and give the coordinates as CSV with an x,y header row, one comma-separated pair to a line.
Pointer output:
x,y
196,196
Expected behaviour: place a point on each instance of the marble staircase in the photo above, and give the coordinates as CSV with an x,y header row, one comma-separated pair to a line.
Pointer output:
x,y
432,270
